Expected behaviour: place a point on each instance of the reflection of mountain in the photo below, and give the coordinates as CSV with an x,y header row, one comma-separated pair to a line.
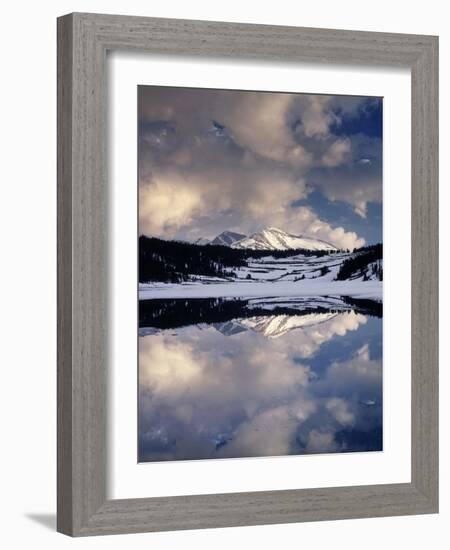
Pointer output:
x,y
269,316
273,326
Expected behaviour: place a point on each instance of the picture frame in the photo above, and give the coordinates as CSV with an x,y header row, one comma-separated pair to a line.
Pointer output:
x,y
83,42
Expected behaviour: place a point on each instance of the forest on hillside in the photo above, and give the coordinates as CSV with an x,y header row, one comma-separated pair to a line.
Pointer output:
x,y
174,261
358,264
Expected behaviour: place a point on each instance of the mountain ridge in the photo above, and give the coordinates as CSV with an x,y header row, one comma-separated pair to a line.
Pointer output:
x,y
227,238
272,238
269,238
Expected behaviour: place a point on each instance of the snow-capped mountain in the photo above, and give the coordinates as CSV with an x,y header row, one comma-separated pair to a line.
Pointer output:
x,y
227,238
272,238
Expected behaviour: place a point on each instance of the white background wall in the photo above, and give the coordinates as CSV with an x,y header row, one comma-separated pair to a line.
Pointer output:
x,y
28,266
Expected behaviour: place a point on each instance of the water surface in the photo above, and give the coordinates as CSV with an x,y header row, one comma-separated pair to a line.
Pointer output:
x,y
262,377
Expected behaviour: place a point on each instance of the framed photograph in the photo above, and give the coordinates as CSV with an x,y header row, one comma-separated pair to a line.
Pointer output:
x,y
247,274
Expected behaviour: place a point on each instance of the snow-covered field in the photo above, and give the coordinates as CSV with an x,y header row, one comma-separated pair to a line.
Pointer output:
x,y
293,268
269,277
247,289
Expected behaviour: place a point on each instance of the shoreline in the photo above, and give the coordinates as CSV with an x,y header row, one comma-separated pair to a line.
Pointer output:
x,y
372,290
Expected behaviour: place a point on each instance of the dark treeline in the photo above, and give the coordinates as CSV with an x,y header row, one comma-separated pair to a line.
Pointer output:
x,y
370,247
286,253
174,261
357,264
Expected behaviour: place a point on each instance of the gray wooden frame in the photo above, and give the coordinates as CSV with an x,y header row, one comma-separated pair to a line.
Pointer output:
x,y
83,41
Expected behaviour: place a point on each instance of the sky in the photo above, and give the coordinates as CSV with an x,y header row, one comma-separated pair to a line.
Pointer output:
x,y
216,160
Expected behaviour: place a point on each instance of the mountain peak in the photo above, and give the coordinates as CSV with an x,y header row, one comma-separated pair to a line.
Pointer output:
x,y
272,228
227,238
273,238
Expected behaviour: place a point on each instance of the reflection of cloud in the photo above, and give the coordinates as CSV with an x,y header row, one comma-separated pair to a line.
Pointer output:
x,y
255,396
339,408
211,160
166,365
270,432
320,442
360,368
311,330
315,336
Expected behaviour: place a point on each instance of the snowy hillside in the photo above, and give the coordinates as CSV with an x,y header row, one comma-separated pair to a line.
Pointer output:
x,y
227,238
272,238
170,269
293,268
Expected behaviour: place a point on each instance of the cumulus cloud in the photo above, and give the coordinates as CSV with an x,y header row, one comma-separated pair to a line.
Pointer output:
x,y
337,152
171,206
211,160
315,115
258,122
172,201
305,220
357,183
166,204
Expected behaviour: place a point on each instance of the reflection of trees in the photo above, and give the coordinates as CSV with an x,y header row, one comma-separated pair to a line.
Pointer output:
x,y
173,313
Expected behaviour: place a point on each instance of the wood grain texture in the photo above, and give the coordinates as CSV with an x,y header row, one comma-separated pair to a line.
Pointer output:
x,y
64,276
425,260
83,41
82,261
